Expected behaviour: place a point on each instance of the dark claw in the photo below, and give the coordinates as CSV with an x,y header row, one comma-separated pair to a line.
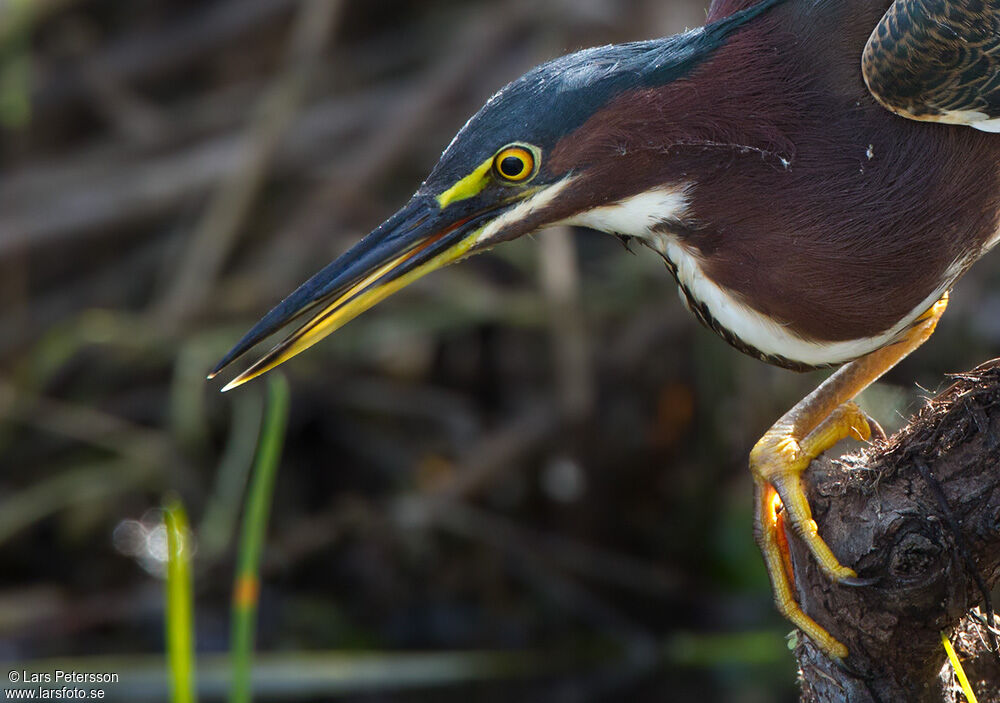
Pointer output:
x,y
858,582
878,434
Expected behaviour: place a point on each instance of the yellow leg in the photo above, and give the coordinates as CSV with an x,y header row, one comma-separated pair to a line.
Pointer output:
x,y
778,460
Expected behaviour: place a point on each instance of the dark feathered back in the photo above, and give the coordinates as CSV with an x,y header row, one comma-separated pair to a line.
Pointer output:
x,y
720,9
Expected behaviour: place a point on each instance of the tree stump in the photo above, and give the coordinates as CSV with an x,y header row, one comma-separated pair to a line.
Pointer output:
x,y
918,517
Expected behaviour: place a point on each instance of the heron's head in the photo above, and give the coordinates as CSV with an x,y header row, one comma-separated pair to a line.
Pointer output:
x,y
563,143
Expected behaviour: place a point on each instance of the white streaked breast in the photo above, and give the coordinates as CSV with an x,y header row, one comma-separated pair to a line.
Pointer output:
x,y
770,336
639,215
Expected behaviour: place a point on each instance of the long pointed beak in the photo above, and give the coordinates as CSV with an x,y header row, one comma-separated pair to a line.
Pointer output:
x,y
415,241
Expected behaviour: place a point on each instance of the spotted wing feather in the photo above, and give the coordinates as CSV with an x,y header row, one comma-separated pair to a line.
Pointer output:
x,y
938,61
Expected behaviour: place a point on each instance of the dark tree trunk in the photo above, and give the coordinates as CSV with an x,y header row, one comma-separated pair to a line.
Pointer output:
x,y
919,516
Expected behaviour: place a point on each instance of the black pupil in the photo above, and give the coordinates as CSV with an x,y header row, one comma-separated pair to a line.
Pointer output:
x,y
512,166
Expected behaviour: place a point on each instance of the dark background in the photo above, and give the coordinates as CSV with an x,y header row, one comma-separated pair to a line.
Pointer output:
x,y
537,451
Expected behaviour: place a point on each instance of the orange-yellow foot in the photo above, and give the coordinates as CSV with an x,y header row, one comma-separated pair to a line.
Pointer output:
x,y
819,421
777,462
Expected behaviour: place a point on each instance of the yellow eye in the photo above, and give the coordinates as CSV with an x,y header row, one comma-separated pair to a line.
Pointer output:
x,y
515,164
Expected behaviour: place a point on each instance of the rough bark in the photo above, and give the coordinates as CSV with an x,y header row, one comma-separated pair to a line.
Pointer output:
x,y
918,517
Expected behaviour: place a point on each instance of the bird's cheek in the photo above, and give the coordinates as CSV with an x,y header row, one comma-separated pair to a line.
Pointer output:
x,y
543,206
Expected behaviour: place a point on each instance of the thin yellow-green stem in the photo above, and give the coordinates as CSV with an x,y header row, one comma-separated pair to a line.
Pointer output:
x,y
180,606
246,589
963,680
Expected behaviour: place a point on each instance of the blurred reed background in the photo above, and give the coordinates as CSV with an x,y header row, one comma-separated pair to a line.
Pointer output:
x,y
521,479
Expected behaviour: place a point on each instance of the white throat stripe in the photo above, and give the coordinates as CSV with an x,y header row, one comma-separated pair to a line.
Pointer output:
x,y
639,216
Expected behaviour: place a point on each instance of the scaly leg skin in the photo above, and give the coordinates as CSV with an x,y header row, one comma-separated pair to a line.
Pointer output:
x,y
777,462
